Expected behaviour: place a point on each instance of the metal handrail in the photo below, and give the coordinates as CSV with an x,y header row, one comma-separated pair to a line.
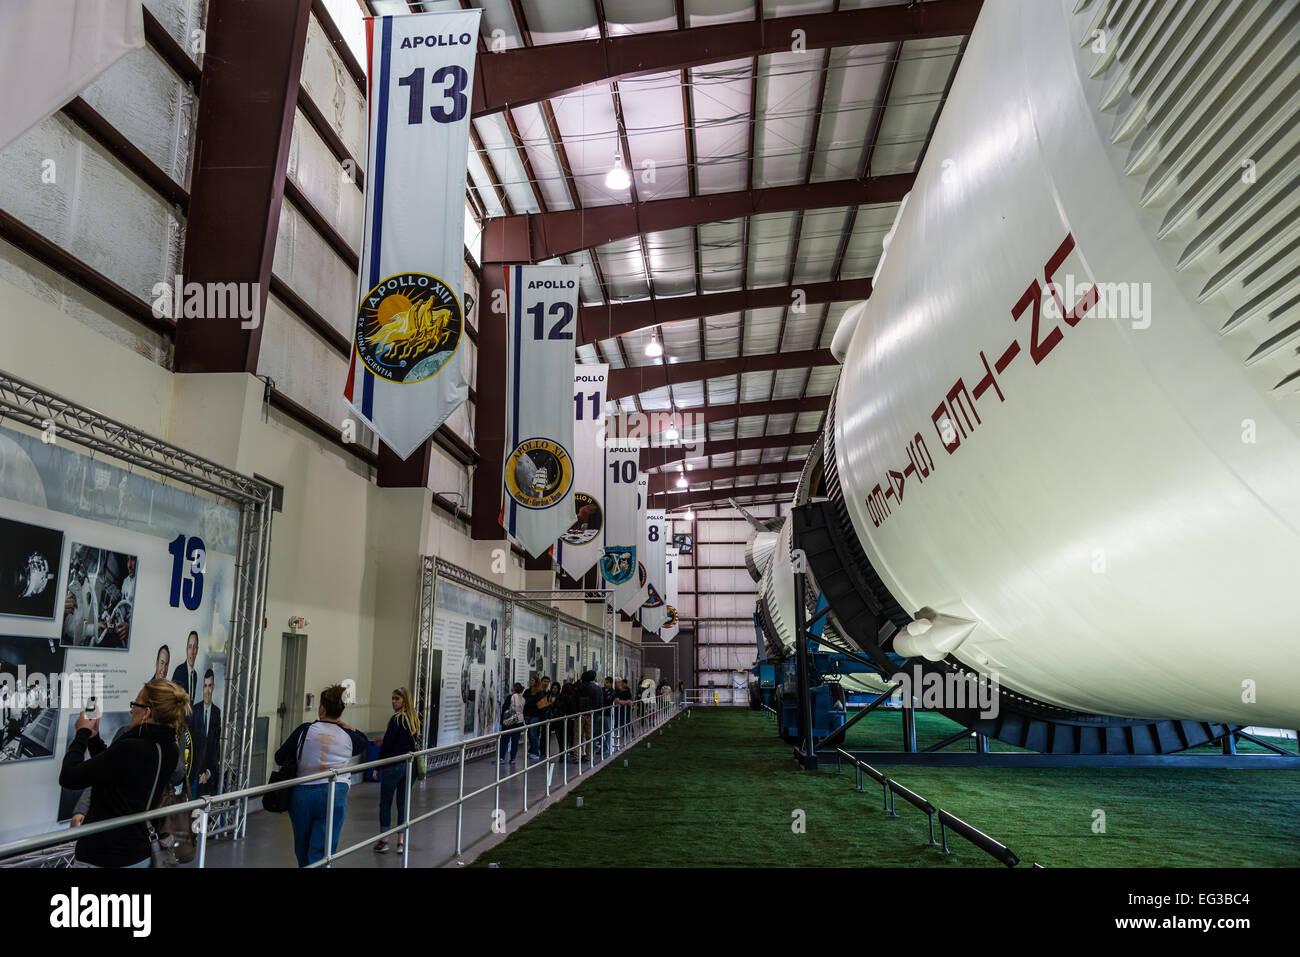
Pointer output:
x,y
974,835
205,804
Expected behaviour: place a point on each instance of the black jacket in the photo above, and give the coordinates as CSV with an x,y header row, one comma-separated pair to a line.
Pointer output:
x,y
121,774
590,697
398,739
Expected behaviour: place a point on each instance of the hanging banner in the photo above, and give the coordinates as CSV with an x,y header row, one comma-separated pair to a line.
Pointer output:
x,y
582,545
618,562
407,372
53,51
668,631
632,606
654,610
541,303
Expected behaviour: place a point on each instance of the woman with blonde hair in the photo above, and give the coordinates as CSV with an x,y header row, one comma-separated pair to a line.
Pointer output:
x,y
128,776
401,737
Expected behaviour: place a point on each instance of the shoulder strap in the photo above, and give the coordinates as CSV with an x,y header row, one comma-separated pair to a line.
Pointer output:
x,y
303,740
148,802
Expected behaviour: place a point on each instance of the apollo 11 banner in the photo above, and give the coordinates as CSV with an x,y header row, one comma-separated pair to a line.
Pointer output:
x,y
634,600
406,373
581,546
668,631
541,304
621,553
654,610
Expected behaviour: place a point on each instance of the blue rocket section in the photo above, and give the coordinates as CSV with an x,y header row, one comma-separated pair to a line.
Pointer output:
x,y
816,628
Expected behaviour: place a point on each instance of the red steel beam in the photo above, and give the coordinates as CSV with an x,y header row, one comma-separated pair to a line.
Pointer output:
x,y
661,456
667,481
530,74
564,231
694,499
598,322
659,421
644,378
247,100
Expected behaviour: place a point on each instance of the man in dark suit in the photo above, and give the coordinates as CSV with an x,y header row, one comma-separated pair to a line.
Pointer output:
x,y
185,674
205,727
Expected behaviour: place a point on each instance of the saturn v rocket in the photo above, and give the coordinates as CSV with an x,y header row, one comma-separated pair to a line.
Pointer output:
x,y
1065,444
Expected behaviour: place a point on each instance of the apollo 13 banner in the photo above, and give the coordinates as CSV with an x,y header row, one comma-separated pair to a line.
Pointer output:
x,y
581,546
621,552
668,631
654,610
406,373
541,304
634,600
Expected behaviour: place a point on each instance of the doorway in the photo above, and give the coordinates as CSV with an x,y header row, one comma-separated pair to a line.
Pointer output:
x,y
293,683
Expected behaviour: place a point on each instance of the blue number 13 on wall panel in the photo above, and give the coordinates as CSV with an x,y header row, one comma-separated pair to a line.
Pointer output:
x,y
190,589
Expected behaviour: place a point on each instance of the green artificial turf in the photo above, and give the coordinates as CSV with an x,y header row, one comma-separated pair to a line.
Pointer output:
x,y
718,788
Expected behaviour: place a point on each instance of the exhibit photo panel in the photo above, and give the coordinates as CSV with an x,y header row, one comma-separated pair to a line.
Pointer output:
x,y
468,634
111,578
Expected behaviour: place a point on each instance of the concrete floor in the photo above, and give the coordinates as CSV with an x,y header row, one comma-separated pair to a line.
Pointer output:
x,y
269,842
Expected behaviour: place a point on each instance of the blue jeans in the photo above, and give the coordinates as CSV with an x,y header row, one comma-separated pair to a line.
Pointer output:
x,y
307,810
392,780
510,744
534,735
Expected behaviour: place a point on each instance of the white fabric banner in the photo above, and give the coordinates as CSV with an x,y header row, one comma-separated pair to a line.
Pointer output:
x,y
51,50
618,563
632,605
654,610
668,631
582,545
541,304
407,370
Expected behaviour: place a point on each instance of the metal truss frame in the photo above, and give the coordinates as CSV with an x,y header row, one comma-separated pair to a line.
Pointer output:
x,y
29,405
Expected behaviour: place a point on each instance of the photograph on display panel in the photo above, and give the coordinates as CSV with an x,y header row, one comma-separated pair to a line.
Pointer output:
x,y
30,670
100,598
111,725
30,556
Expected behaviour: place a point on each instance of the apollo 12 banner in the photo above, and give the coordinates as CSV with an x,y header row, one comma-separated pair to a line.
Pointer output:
x,y
541,304
654,610
406,373
618,563
668,631
582,545
634,600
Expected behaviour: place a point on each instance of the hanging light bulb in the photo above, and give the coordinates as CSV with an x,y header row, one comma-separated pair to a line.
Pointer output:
x,y
689,516
653,349
617,177
671,433
681,480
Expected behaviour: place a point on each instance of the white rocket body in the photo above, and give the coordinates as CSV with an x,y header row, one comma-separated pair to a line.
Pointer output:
x,y
1112,500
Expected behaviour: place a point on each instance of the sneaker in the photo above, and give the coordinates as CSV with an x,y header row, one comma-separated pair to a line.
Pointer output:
x,y
534,757
502,761
512,760
382,846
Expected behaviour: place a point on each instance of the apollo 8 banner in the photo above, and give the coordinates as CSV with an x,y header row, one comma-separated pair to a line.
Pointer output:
x,y
654,610
669,629
634,600
582,545
618,563
541,304
406,373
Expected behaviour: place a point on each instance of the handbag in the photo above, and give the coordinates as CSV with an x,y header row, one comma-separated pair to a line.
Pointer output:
x,y
420,764
277,802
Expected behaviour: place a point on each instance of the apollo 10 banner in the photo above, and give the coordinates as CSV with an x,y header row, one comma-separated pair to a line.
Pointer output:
x,y
542,304
406,373
581,546
619,562
633,600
